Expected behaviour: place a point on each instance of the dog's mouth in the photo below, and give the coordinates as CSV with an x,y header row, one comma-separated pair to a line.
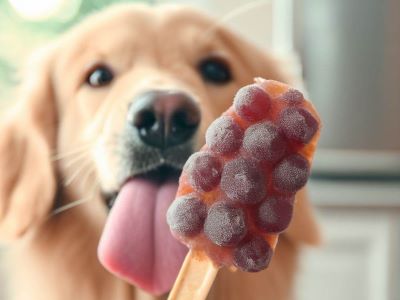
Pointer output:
x,y
136,243
159,174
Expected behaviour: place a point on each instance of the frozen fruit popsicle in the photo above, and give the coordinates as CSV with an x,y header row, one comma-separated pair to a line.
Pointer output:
x,y
237,193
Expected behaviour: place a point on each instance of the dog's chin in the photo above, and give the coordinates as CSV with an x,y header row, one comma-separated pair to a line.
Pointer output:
x,y
136,243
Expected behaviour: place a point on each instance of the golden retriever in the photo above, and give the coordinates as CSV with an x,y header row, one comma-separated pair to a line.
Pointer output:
x,y
123,99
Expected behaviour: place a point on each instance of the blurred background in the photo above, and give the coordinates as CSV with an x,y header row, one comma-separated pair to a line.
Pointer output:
x,y
348,54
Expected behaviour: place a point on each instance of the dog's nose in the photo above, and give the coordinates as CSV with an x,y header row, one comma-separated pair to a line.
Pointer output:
x,y
164,118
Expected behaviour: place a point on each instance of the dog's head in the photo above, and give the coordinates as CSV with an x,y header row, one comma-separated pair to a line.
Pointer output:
x,y
122,100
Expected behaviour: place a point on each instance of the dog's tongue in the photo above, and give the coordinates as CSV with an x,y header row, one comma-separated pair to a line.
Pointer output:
x,y
136,243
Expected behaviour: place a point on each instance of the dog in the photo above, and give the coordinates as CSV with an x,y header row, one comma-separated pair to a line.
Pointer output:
x,y
114,107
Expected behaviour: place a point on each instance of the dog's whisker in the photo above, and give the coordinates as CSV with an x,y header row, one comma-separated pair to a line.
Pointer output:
x,y
78,150
77,173
76,160
247,7
70,205
76,202
86,176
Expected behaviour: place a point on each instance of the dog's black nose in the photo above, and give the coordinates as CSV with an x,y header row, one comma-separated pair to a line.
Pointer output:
x,y
164,118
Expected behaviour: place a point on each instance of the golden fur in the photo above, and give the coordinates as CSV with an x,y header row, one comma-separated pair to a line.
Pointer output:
x,y
61,131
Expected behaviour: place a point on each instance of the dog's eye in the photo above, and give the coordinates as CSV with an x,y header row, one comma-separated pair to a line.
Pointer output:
x,y
100,76
215,70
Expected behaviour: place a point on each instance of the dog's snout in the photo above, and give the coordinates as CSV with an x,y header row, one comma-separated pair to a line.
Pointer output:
x,y
164,118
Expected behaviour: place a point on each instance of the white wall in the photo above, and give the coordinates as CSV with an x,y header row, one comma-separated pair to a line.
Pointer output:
x,y
250,18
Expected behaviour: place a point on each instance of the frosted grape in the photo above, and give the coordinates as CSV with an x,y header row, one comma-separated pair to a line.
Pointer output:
x,y
292,96
224,136
291,174
264,142
298,124
252,103
186,215
243,181
204,171
274,214
253,255
225,224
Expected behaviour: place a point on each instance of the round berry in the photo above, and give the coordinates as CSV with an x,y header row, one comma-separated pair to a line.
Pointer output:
x,y
292,96
243,181
298,124
253,255
274,214
225,224
252,103
204,171
224,136
186,215
264,142
291,174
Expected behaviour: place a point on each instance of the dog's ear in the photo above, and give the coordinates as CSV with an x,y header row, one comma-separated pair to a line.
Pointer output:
x,y
253,62
304,226
257,63
27,138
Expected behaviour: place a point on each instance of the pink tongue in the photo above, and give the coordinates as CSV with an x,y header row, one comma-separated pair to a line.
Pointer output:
x,y
136,243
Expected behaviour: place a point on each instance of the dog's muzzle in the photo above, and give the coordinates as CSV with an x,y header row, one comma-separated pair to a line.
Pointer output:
x,y
136,243
159,132
164,119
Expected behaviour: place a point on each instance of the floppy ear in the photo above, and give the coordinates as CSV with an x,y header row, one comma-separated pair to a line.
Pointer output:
x,y
304,226
27,137
256,63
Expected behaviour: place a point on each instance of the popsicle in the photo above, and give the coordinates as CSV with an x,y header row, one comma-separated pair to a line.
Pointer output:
x,y
236,195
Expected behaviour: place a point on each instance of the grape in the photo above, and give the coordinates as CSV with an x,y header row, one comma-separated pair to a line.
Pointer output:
x,y
292,96
225,224
252,103
242,181
264,142
274,214
204,171
298,124
253,255
224,136
186,215
291,173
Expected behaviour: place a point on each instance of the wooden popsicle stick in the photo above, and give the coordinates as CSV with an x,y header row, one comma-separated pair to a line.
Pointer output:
x,y
195,278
